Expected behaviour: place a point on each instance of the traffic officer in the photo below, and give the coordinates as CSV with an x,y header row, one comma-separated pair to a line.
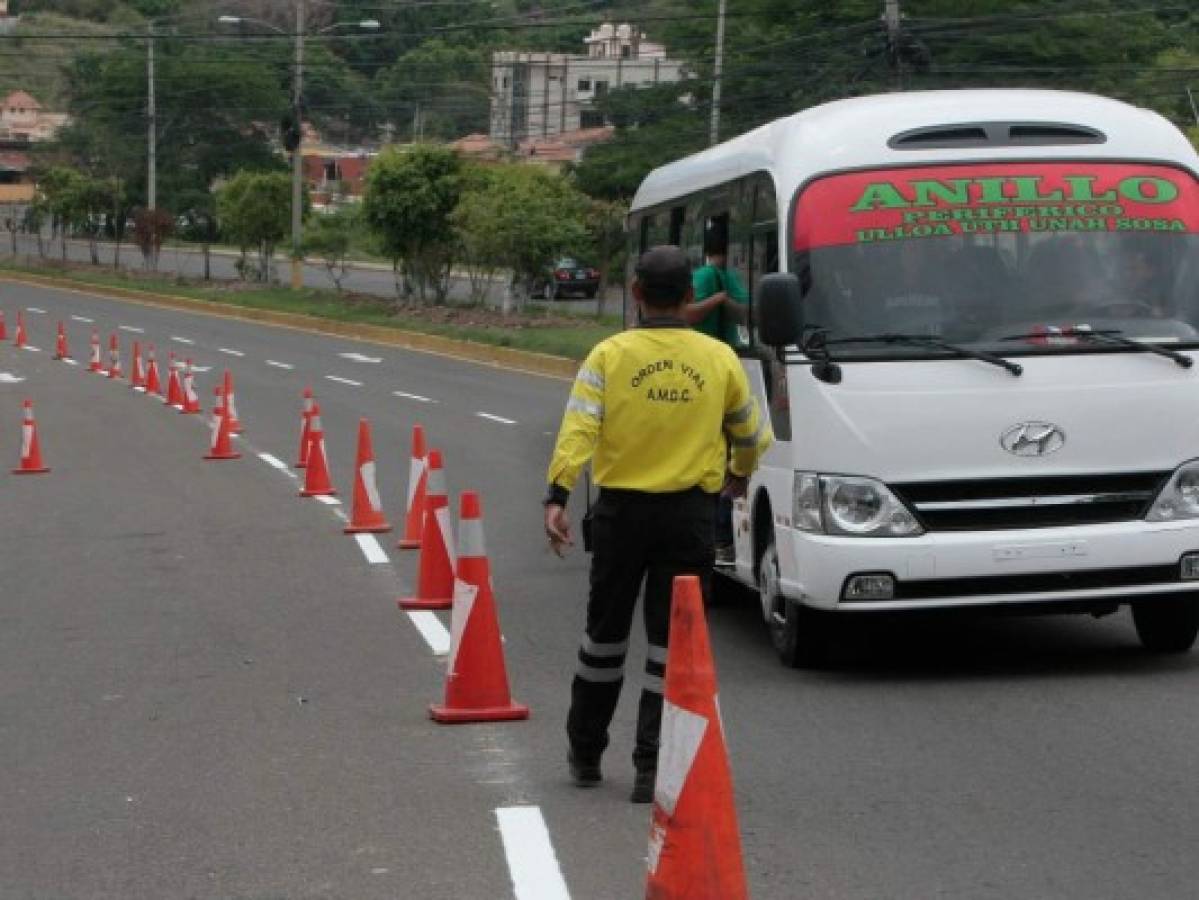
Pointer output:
x,y
659,408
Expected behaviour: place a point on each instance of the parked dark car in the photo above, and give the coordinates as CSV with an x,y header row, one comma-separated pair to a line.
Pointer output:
x,y
567,277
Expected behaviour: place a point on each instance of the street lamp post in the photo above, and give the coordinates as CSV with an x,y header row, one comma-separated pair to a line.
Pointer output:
x,y
297,156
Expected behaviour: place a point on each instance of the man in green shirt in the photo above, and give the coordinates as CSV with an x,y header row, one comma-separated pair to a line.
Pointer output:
x,y
720,306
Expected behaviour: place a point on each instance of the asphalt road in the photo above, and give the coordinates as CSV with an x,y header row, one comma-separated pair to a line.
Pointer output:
x,y
206,690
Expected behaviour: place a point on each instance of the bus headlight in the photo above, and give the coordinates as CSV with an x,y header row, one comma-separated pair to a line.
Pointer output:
x,y
850,506
1179,499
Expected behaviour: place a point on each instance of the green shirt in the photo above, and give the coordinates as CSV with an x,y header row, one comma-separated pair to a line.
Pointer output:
x,y
708,280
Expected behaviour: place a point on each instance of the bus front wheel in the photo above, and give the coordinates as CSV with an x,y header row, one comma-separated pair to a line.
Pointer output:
x,y
799,633
1167,626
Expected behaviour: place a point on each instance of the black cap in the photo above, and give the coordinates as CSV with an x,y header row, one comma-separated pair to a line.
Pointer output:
x,y
664,273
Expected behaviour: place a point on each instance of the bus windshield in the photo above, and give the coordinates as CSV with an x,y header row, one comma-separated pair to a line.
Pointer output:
x,y
1012,257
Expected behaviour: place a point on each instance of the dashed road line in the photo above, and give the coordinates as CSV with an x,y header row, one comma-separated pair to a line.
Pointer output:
x,y
181,340
196,368
372,549
327,500
436,635
36,309
279,365
494,418
132,328
229,352
69,361
532,863
32,349
83,319
275,462
358,357
417,397
341,380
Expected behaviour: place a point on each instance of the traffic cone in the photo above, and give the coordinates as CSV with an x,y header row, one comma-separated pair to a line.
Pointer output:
x,y
3,327
435,581
417,478
19,338
189,398
153,384
222,433
31,447
366,513
694,843
229,400
476,680
316,476
305,428
137,376
60,344
114,356
174,392
94,364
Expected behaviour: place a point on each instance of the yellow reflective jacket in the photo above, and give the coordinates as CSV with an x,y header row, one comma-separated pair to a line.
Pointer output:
x,y
659,407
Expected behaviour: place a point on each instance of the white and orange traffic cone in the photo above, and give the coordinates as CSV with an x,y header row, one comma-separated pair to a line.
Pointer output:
x,y
435,581
94,364
3,327
366,512
417,478
694,843
174,391
221,446
229,401
137,373
305,428
190,399
60,343
114,356
31,447
316,475
476,679
19,338
153,383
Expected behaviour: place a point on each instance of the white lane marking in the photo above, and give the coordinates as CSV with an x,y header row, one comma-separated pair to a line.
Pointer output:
x,y
371,549
327,500
9,378
181,340
32,349
69,361
132,328
358,357
83,319
230,352
500,419
341,380
417,397
36,309
279,365
201,368
436,635
531,860
274,461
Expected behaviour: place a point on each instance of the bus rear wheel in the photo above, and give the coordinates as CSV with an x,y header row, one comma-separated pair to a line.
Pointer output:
x,y
800,634
1167,626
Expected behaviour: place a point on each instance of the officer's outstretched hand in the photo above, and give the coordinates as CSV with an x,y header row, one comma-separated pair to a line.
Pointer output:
x,y
557,528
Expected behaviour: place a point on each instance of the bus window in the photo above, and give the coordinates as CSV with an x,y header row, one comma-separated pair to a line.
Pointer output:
x,y
676,225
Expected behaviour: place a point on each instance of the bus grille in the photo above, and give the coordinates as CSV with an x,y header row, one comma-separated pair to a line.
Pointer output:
x,y
1043,502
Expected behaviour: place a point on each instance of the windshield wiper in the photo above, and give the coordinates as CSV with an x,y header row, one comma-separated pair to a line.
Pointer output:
x,y
933,343
1111,336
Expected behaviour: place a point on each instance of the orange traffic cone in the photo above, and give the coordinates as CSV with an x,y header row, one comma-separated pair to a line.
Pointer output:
x,y
229,399
476,680
114,356
305,428
222,433
694,843
153,384
366,513
137,376
316,476
60,343
190,399
174,392
94,364
19,338
3,327
31,447
417,478
435,581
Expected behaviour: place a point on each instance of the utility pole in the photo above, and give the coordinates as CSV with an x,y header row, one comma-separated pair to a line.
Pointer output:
x,y
891,17
297,157
152,127
1194,109
717,71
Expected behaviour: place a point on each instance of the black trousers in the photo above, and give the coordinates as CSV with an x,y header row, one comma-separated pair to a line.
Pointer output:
x,y
636,537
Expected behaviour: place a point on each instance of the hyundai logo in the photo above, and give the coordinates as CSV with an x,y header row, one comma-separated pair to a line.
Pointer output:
x,y
1032,439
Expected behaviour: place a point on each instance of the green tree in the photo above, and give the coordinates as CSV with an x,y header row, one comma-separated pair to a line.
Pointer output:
x,y
438,90
254,209
60,196
409,197
329,238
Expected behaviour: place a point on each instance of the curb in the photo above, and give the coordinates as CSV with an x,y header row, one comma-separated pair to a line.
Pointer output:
x,y
524,361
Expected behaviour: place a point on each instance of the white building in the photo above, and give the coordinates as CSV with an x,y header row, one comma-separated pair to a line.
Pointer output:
x,y
540,95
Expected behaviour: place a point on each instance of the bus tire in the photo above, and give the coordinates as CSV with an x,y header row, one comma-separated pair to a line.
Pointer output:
x,y
1167,626
800,634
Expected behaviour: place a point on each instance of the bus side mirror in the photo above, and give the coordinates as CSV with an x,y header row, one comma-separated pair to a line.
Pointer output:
x,y
778,309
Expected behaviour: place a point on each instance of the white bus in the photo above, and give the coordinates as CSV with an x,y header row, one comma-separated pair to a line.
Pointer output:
x,y
976,355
